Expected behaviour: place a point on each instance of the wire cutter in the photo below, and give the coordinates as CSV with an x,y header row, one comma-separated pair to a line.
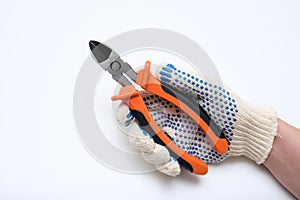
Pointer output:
x,y
110,61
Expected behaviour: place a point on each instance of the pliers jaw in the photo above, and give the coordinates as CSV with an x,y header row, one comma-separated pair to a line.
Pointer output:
x,y
110,61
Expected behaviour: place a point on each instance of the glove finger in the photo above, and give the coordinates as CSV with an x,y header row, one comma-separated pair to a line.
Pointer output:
x,y
158,155
123,116
171,168
152,152
139,139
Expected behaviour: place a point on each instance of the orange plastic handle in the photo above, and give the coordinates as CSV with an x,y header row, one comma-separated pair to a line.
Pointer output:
x,y
139,110
150,83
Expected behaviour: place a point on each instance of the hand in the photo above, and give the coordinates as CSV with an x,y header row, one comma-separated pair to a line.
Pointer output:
x,y
250,130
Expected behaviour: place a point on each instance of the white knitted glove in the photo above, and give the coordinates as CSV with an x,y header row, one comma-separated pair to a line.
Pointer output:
x,y
249,129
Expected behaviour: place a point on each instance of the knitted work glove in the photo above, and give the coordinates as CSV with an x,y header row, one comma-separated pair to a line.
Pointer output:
x,y
249,129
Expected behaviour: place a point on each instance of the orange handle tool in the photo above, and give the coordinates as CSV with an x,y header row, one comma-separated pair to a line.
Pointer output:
x,y
139,110
186,103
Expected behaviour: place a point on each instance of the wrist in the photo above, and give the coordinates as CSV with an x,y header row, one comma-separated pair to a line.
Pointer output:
x,y
254,133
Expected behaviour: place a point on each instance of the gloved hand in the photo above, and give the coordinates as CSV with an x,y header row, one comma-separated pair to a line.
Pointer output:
x,y
249,129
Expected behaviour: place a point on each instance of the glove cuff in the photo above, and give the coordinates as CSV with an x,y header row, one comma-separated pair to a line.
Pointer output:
x,y
254,133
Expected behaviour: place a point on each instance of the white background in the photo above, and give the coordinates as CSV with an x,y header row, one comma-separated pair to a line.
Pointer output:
x,y
254,44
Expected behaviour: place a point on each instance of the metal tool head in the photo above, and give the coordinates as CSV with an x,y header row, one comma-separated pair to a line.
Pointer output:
x,y
102,54
109,60
100,51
